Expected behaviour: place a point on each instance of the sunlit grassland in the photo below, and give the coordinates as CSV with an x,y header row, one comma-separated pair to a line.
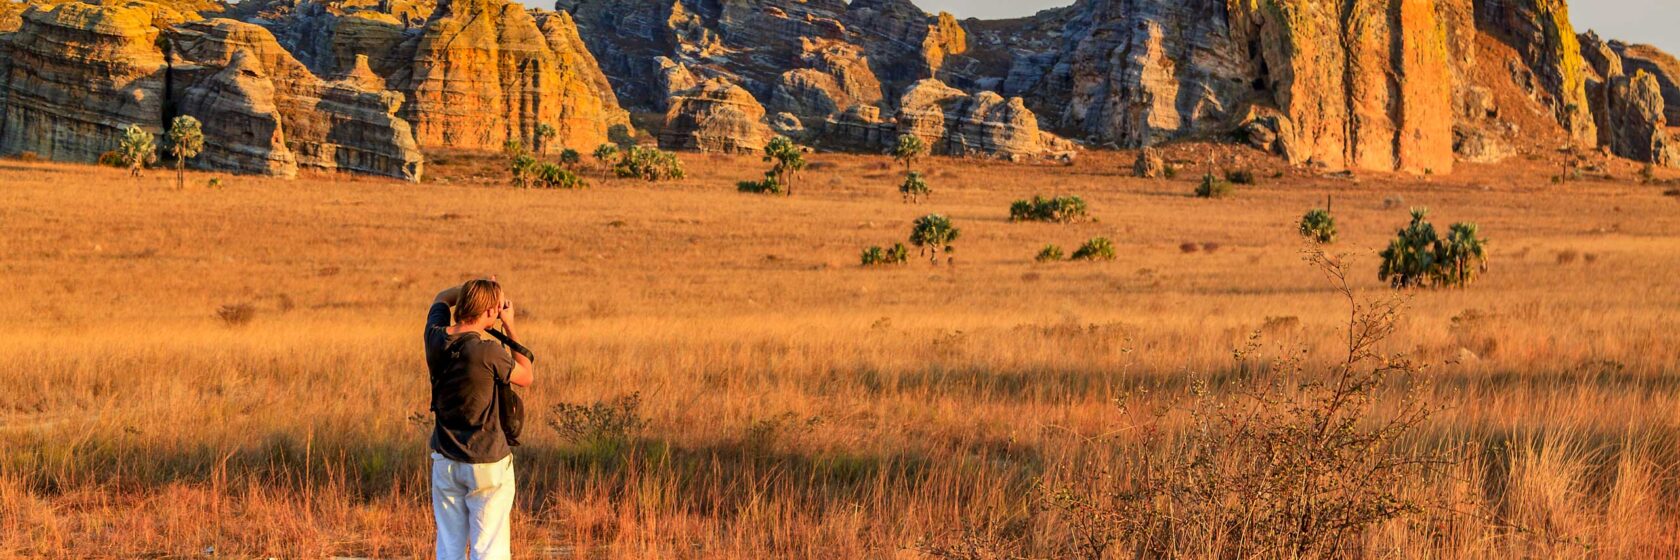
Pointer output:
x,y
797,404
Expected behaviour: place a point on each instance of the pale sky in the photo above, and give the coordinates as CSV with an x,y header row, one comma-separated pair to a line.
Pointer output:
x,y
1655,22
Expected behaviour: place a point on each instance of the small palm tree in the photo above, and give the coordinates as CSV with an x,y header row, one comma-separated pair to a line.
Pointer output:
x,y
523,167
1318,226
138,149
186,141
787,160
1409,259
908,150
933,233
570,158
1462,256
542,135
606,153
914,187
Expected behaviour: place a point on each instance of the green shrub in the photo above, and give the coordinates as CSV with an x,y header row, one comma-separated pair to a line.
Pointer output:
x,y
876,256
933,233
1096,249
570,158
522,167
605,153
768,186
908,149
1062,209
551,176
914,188
1170,171
1417,257
1319,226
786,159
1240,176
648,164
1214,187
137,149
1050,253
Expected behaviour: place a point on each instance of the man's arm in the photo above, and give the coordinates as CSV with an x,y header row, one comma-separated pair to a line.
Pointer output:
x,y
449,296
523,371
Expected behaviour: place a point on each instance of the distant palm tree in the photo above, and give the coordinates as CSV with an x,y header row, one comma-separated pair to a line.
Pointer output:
x,y
787,159
1462,256
137,149
186,141
544,133
908,150
1409,259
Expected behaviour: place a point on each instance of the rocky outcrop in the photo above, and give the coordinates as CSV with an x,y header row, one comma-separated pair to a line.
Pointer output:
x,y
1660,65
860,45
954,123
1628,109
482,72
75,75
1541,32
255,100
715,116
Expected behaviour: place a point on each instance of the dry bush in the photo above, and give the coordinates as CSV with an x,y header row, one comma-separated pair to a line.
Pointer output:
x,y
237,314
1291,462
1568,256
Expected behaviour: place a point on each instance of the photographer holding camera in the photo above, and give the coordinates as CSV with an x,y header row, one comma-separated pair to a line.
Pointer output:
x,y
478,417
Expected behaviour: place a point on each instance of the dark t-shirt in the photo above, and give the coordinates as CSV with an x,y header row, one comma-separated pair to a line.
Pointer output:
x,y
465,369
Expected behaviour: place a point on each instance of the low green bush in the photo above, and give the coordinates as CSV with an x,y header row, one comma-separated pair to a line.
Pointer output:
x,y
1096,249
1061,209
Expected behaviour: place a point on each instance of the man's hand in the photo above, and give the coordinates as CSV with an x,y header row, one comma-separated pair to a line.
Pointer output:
x,y
508,318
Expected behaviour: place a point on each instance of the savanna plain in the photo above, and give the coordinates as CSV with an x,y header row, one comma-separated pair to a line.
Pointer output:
x,y
237,371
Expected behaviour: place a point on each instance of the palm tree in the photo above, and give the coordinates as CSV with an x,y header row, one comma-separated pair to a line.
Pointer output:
x,y
933,232
186,141
1410,258
787,159
909,149
1462,255
543,134
137,149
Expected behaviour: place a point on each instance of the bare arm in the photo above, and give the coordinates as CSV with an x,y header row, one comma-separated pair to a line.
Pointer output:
x,y
449,296
524,372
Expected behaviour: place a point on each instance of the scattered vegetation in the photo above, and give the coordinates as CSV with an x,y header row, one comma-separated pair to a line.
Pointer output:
x,y
1318,226
1418,258
914,188
1214,187
786,160
1240,176
137,149
603,429
236,314
933,233
1061,209
186,141
1050,253
877,256
1095,249
522,167
648,164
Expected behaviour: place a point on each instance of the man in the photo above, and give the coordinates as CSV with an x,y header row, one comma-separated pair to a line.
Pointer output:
x,y
472,463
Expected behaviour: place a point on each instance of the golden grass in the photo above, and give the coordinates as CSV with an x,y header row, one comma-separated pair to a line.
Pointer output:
x,y
799,405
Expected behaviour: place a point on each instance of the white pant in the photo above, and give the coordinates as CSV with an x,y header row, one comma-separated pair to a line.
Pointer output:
x,y
471,503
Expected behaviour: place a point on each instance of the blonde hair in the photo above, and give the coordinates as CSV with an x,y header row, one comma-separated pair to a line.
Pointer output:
x,y
477,297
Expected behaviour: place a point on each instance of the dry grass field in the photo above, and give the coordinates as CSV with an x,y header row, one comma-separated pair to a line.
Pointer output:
x,y
237,372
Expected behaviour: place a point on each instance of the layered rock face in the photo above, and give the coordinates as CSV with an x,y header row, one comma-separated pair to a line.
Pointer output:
x,y
951,122
474,73
715,116
880,43
485,71
1660,65
237,79
1541,32
1629,109
75,75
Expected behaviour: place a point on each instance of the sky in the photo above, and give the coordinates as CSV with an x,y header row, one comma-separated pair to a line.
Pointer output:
x,y
1655,22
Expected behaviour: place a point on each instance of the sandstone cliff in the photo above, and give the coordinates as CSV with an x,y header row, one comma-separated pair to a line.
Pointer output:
x,y
75,75
715,116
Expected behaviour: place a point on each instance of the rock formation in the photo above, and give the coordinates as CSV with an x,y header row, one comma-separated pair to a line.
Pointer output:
x,y
715,116
1628,109
951,122
1660,65
75,75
